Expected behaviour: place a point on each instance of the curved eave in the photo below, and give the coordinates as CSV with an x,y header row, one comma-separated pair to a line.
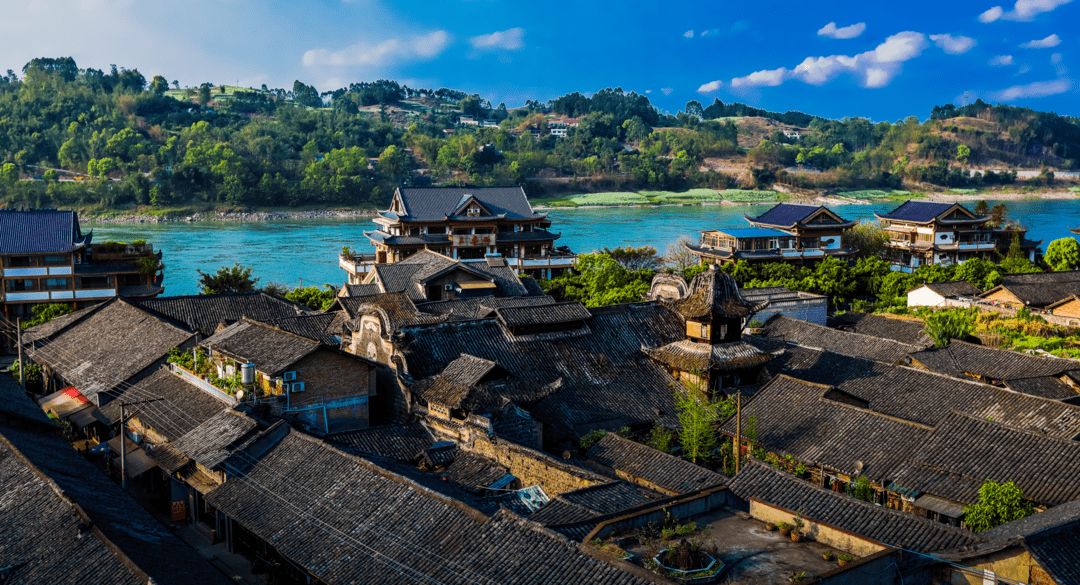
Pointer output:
x,y
1075,230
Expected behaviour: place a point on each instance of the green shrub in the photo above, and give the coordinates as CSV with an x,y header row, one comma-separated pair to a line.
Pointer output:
x,y
610,199
749,196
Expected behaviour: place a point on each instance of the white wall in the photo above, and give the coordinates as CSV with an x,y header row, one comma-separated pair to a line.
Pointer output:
x,y
924,297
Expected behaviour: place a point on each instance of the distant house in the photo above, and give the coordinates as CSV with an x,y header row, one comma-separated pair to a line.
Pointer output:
x,y
786,232
558,132
925,232
325,388
792,134
46,258
489,124
468,121
1067,307
793,304
1038,290
934,294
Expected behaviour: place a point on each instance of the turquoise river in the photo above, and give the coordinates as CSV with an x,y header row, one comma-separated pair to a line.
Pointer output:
x,y
294,251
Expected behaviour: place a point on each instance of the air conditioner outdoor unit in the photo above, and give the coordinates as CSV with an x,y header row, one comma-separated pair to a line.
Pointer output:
x,y
289,376
448,287
298,387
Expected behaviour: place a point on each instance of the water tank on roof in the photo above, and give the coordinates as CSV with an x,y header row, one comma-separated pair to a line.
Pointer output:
x,y
247,374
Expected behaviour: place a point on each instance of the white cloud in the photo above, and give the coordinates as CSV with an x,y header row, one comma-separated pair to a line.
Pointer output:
x,y
711,86
991,15
1023,70
648,91
666,90
847,32
508,40
874,68
954,45
711,31
377,55
1050,41
1023,10
688,34
1001,61
1034,90
1055,58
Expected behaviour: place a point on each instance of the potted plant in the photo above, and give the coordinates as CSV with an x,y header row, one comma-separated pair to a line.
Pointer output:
x,y
797,527
785,528
828,555
770,526
796,536
798,577
844,559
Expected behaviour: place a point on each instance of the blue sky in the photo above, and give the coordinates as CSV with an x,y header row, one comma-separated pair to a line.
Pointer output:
x,y
884,61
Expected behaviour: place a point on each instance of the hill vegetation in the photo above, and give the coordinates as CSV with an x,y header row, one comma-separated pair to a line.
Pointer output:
x,y
114,140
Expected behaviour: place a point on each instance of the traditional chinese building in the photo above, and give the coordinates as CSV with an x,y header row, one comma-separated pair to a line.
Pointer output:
x,y
786,232
924,232
462,223
48,259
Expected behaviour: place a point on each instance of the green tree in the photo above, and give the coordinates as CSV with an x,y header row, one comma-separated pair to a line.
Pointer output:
x,y
204,94
998,504
944,326
696,417
1063,254
9,173
999,214
44,313
227,280
1015,262
962,153
159,85
313,297
392,163
863,490
868,238
630,258
598,280
982,208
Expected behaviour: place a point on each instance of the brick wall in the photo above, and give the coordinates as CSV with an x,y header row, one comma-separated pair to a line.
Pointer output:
x,y
534,467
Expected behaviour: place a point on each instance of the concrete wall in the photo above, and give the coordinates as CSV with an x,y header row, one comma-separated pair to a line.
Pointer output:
x,y
888,567
924,297
1011,563
1070,309
683,507
534,467
823,533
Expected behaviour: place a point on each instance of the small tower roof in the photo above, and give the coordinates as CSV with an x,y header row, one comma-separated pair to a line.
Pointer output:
x,y
715,294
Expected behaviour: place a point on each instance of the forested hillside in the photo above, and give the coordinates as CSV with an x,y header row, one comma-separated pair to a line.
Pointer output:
x,y
96,139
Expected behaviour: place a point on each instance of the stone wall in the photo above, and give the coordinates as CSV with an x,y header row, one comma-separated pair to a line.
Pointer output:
x,y
823,533
1011,563
1011,312
534,467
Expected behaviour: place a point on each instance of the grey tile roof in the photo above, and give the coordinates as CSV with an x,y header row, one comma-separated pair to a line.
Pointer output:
x,y
714,293
589,502
207,442
205,312
506,281
473,472
396,310
1040,289
656,467
39,231
816,424
785,214
1057,551
272,350
773,487
533,236
43,541
605,376
690,356
326,328
302,495
108,347
963,451
183,407
1045,387
918,211
908,331
53,326
478,307
960,358
780,328
403,442
361,290
925,397
535,315
55,553
436,203
14,402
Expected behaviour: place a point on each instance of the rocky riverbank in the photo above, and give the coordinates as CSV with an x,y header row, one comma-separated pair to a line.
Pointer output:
x,y
237,216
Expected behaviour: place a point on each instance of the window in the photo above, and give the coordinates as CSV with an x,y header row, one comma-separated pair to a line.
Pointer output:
x,y
93,282
437,229
414,231
21,261
57,260
21,284
56,283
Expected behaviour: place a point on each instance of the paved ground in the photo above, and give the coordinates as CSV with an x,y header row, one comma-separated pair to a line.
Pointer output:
x,y
755,556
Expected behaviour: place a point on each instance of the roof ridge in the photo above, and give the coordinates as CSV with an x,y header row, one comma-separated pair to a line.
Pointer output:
x,y
1008,427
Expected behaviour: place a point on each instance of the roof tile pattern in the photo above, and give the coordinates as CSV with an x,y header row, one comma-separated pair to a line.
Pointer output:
x,y
554,314
302,496
785,214
961,358
952,289
714,293
270,349
1057,552
205,312
918,211
167,404
908,331
39,231
785,329
480,307
325,328
108,347
206,443
770,486
690,356
1040,289
589,502
656,467
403,442
437,203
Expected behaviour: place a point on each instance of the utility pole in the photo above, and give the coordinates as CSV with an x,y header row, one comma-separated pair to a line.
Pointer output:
x,y
22,371
738,429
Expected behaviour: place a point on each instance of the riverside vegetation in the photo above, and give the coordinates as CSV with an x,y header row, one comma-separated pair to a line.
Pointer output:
x,y
97,140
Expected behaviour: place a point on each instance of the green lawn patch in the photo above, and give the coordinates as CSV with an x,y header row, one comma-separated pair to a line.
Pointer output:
x,y
691,196
749,196
619,198
870,194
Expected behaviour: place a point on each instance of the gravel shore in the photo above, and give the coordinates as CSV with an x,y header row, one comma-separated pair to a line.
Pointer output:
x,y
238,216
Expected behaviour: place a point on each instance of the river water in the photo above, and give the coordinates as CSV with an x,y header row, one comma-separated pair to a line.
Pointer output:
x,y
292,252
